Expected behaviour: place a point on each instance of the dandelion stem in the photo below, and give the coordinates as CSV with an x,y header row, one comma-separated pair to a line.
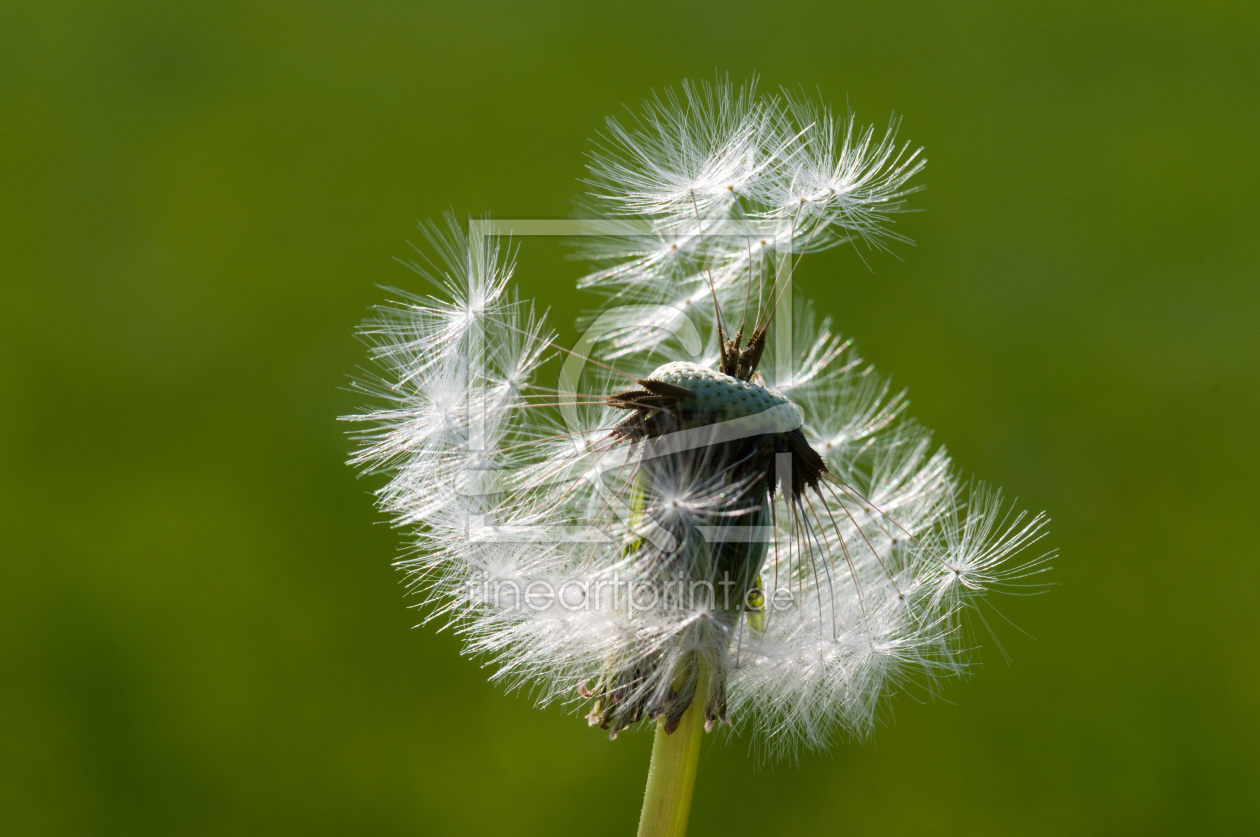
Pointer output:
x,y
672,773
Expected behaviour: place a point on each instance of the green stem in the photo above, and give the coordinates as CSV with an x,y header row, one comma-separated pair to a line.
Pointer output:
x,y
672,773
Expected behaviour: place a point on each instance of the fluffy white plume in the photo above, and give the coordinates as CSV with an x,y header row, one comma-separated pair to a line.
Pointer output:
x,y
763,510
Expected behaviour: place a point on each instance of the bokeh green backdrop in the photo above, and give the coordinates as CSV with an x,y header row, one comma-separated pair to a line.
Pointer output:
x,y
200,630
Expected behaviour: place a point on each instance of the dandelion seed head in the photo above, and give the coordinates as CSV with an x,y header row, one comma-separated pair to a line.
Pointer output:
x,y
704,492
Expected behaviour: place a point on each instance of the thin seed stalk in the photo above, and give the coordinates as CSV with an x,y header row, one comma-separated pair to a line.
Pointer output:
x,y
672,773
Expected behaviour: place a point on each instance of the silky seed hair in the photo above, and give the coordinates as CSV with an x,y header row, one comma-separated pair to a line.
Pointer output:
x,y
689,499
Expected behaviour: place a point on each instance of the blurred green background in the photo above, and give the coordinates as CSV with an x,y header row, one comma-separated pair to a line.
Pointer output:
x,y
200,630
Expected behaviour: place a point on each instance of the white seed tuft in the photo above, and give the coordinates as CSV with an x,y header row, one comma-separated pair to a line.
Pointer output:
x,y
539,514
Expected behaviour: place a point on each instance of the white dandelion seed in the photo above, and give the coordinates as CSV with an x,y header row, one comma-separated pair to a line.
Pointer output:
x,y
693,512
698,151
839,181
